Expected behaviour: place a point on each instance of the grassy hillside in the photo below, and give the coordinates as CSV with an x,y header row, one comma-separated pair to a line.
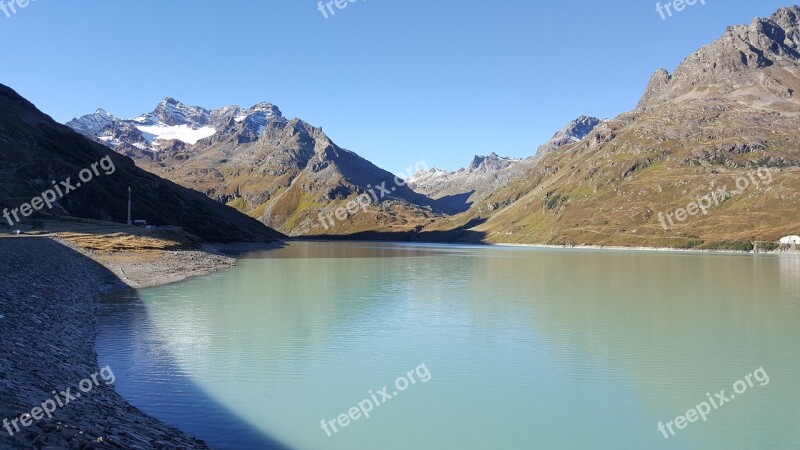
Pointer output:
x,y
290,176
610,188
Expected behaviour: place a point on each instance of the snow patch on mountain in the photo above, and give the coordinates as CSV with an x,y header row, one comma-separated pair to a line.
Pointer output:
x,y
183,133
431,175
173,120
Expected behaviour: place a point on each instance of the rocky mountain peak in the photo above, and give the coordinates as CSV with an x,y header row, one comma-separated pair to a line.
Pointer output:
x,y
490,162
266,106
657,84
788,17
92,124
255,117
161,201
575,131
261,114
477,160
171,112
583,125
736,59
172,120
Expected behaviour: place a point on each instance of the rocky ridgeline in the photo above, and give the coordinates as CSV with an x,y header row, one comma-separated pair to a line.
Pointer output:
x,y
575,131
734,60
48,301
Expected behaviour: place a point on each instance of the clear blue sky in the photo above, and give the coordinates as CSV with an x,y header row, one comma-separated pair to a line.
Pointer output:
x,y
397,81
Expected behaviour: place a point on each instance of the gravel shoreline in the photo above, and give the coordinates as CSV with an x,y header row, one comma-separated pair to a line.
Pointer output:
x,y
49,297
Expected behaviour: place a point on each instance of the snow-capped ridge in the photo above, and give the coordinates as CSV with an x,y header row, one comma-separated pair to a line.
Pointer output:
x,y
92,124
174,120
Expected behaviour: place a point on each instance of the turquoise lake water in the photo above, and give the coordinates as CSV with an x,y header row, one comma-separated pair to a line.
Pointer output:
x,y
521,348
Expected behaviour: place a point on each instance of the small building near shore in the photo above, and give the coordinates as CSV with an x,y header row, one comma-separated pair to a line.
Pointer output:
x,y
790,240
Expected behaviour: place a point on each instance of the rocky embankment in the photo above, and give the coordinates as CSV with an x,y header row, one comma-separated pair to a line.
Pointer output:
x,y
146,268
49,296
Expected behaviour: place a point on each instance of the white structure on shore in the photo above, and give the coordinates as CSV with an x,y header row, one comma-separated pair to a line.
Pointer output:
x,y
790,240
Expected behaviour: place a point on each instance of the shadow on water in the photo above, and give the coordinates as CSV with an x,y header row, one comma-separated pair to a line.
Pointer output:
x,y
50,269
149,378
461,235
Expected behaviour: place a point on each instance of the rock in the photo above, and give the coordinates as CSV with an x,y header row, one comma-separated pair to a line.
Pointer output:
x,y
40,354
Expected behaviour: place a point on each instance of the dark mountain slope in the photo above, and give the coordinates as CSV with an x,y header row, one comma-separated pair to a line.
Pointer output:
x,y
36,151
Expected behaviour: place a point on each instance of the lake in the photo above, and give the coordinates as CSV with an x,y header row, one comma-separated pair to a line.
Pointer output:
x,y
498,348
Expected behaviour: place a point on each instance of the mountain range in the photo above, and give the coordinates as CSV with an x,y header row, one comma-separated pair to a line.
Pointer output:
x,y
284,172
171,125
37,153
485,174
727,110
287,173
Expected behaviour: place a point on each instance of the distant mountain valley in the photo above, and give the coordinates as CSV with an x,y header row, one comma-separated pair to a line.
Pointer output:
x,y
728,109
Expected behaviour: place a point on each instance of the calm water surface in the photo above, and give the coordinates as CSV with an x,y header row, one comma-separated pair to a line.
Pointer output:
x,y
526,348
